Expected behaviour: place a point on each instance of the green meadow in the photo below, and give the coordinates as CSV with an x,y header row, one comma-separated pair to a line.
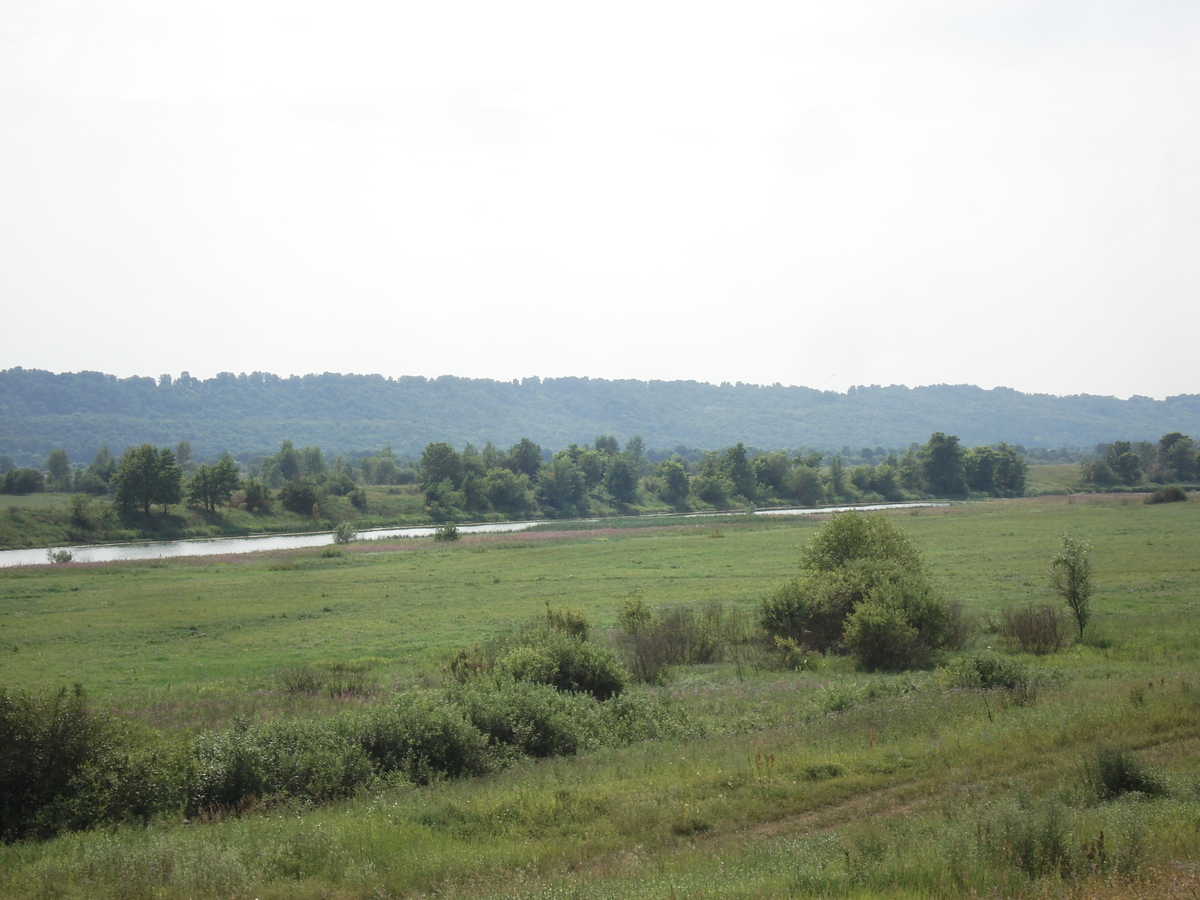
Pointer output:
x,y
767,778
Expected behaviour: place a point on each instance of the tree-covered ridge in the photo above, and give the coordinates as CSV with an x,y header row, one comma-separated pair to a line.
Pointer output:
x,y
251,413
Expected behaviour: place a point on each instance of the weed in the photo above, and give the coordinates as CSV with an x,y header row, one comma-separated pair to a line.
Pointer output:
x,y
1112,771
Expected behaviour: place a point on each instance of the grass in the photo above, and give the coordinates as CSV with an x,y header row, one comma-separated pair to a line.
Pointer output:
x,y
822,782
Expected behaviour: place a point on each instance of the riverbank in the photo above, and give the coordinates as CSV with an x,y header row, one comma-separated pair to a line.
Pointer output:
x,y
142,550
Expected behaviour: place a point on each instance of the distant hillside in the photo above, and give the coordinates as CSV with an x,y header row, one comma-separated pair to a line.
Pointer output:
x,y
347,413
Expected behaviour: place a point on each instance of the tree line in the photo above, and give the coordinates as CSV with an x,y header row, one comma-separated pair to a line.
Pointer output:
x,y
1173,460
582,479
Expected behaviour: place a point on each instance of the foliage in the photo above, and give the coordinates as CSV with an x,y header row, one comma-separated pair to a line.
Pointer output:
x,y
570,620
528,718
1034,629
65,765
147,476
344,533
446,532
302,496
58,466
568,663
988,671
852,537
1071,578
215,484
1113,771
899,624
22,481
864,591
653,642
943,466
256,496
1168,494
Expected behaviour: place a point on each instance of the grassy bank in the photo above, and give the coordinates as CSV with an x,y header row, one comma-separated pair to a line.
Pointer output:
x,y
822,781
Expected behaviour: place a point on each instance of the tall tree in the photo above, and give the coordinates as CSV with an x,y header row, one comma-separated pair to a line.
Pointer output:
x,y
525,457
942,465
145,477
214,484
58,466
1123,462
673,485
289,461
621,480
440,462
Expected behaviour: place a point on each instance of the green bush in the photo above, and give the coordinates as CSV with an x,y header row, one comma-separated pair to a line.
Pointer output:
x,y
864,590
854,536
550,656
344,533
569,620
528,718
446,532
988,671
65,766
425,737
1170,494
879,635
1113,771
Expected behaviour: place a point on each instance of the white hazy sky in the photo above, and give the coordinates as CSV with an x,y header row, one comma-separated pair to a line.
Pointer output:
x,y
998,192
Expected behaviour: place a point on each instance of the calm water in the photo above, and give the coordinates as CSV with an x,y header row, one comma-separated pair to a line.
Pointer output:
x,y
253,544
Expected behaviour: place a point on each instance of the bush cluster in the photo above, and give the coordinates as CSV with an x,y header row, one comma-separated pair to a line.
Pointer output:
x,y
864,590
65,765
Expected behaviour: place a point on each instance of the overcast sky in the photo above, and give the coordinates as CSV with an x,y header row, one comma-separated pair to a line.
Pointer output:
x,y
826,194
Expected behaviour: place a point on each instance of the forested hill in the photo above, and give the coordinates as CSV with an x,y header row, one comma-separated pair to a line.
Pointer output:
x,y
81,411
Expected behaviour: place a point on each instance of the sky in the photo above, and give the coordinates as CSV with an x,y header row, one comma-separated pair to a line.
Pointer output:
x,y
989,192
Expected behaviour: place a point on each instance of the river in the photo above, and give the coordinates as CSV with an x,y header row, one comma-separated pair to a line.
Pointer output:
x,y
93,553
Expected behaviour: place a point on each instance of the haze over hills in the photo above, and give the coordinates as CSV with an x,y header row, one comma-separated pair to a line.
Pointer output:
x,y
251,414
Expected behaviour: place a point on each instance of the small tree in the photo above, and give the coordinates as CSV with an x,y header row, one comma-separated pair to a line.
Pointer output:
x,y
1071,577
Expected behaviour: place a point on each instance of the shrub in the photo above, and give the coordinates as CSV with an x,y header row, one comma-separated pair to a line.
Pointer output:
x,y
63,766
256,496
865,590
528,718
679,635
1113,771
879,635
344,533
446,532
853,536
550,656
899,625
425,737
300,497
635,615
569,620
1169,494
1034,629
988,671
303,759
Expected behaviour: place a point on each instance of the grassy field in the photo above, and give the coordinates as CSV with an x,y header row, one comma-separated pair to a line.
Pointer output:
x,y
812,783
